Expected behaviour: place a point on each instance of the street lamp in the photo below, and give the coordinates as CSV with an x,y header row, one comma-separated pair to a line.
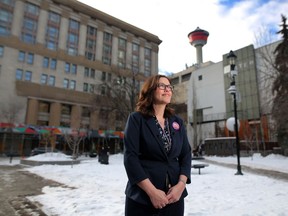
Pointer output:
x,y
232,90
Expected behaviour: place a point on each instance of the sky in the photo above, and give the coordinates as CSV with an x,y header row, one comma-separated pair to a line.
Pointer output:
x,y
93,188
232,24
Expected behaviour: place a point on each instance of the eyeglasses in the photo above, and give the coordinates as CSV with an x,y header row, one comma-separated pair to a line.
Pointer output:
x,y
162,86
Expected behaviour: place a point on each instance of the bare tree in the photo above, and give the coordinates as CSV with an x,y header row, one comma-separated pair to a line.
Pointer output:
x,y
73,140
280,87
266,74
119,94
9,113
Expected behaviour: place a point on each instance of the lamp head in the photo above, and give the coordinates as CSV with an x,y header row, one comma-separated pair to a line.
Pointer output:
x,y
232,61
232,89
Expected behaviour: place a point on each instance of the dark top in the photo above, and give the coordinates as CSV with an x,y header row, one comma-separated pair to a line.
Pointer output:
x,y
145,155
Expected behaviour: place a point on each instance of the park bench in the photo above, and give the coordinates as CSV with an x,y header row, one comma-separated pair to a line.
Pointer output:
x,y
199,167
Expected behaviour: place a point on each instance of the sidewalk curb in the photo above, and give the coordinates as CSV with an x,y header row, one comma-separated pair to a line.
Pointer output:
x,y
263,172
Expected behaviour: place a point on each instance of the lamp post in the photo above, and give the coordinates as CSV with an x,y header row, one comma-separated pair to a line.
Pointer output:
x,y
232,90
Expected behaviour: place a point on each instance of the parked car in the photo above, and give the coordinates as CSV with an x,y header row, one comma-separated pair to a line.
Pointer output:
x,y
41,150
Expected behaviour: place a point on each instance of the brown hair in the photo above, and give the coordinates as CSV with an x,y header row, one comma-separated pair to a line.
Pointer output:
x,y
146,97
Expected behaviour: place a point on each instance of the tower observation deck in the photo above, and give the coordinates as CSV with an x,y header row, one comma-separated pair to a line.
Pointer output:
x,y
198,38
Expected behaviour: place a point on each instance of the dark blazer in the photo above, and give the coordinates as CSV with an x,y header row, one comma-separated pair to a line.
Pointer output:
x,y
145,156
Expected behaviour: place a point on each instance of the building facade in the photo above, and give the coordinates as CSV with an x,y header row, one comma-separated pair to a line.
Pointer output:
x,y
209,103
55,56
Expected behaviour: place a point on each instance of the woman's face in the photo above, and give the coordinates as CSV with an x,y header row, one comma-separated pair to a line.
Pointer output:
x,y
163,92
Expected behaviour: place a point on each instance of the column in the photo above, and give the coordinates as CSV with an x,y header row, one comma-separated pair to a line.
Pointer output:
x,y
32,111
94,120
55,114
63,31
18,18
114,57
82,36
76,116
99,43
141,55
42,23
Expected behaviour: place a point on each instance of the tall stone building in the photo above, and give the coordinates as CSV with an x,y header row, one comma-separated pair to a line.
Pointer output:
x,y
56,54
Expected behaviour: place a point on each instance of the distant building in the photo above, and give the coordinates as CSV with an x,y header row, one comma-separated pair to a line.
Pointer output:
x,y
202,87
54,56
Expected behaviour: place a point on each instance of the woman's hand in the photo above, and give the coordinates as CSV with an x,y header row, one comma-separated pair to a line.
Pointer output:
x,y
175,192
159,199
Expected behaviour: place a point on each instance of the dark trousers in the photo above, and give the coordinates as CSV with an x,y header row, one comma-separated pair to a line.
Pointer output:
x,y
133,208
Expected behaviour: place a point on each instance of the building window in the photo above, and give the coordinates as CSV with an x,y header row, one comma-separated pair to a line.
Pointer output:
x,y
66,83
30,58
52,31
106,58
19,74
86,72
72,84
147,67
21,56
107,48
147,62
6,17
200,77
85,87
70,68
51,81
92,73
103,90
103,77
28,75
73,37
91,38
53,64
109,77
185,77
89,72
30,22
44,78
67,67
91,88
122,43
74,69
45,62
135,57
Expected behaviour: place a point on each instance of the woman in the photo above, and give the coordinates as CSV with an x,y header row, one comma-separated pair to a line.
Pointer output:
x,y
157,155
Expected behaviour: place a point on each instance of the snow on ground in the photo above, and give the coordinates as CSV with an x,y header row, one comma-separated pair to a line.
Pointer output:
x,y
98,189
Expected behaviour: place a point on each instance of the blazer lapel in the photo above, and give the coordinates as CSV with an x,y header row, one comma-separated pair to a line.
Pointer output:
x,y
155,131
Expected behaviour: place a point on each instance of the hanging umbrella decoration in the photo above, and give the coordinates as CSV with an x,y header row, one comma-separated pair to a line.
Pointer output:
x,y
56,131
43,131
25,130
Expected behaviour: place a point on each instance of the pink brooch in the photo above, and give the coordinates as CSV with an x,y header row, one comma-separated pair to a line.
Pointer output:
x,y
175,125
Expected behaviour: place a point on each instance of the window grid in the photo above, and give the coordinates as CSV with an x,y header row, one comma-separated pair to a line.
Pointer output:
x,y
73,37
6,17
19,74
28,75
91,39
107,48
30,23
122,53
52,31
135,57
